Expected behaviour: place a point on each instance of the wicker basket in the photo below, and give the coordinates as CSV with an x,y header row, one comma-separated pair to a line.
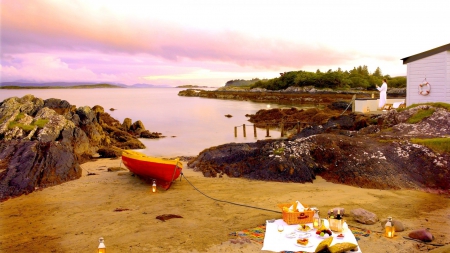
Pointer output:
x,y
296,217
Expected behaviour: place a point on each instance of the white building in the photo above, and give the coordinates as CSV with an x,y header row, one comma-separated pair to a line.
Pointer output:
x,y
428,76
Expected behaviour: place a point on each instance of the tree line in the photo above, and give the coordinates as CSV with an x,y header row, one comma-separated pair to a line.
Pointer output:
x,y
357,78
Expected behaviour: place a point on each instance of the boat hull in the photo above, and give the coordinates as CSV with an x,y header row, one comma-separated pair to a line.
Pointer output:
x,y
162,170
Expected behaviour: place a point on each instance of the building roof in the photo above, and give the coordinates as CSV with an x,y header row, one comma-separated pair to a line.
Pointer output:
x,y
425,54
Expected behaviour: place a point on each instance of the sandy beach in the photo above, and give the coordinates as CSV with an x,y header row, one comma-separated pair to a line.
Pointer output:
x,y
121,208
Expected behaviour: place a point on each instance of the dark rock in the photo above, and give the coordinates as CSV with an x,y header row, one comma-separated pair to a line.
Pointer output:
x,y
138,125
127,124
38,156
421,234
30,164
148,135
109,152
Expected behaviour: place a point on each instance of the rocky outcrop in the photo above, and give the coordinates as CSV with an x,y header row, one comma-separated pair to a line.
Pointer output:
x,y
43,142
292,95
371,152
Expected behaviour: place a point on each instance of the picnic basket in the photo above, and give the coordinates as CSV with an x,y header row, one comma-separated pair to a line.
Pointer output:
x,y
296,217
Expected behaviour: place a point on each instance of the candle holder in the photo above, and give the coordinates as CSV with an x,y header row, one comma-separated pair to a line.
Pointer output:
x,y
101,246
317,222
389,229
154,186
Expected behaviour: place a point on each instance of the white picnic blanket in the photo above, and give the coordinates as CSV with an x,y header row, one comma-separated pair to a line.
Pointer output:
x,y
277,242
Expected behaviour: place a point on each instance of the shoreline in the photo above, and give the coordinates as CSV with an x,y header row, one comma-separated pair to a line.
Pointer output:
x,y
72,216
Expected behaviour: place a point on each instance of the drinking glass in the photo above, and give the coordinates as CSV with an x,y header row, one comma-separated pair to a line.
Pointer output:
x,y
280,228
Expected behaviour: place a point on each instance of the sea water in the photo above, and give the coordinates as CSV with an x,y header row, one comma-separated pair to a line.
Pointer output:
x,y
189,124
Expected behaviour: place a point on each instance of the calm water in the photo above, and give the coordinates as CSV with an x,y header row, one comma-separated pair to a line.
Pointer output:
x,y
190,124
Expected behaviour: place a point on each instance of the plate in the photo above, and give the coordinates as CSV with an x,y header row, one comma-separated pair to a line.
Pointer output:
x,y
291,235
302,235
309,245
340,237
323,237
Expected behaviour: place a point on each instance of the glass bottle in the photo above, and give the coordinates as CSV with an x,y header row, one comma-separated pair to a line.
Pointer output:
x,y
389,228
101,246
154,186
316,219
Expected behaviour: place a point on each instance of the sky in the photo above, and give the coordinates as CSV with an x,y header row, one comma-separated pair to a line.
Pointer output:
x,y
209,42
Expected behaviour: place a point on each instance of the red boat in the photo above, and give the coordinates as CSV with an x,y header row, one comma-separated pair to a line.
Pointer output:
x,y
162,170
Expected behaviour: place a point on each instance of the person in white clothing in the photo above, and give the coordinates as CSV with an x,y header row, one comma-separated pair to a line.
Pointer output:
x,y
382,90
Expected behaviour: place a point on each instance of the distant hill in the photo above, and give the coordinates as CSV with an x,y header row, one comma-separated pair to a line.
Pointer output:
x,y
191,86
73,85
144,85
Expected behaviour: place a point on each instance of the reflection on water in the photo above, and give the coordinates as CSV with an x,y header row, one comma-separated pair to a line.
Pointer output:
x,y
190,124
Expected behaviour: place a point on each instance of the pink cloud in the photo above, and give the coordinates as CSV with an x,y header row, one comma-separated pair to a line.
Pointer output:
x,y
45,26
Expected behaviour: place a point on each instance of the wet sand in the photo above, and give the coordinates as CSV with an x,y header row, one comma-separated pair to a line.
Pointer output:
x,y
121,208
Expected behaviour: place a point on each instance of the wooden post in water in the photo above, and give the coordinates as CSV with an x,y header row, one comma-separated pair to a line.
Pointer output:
x,y
235,132
254,130
298,127
282,129
267,131
243,127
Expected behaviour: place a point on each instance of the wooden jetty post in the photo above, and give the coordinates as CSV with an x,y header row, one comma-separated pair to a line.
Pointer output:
x,y
254,130
243,127
282,129
235,132
267,131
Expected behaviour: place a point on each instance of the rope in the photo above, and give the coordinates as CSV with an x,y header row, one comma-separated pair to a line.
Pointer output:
x,y
229,202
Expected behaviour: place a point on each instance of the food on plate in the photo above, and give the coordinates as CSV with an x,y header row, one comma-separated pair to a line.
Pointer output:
x,y
323,232
303,241
340,236
304,227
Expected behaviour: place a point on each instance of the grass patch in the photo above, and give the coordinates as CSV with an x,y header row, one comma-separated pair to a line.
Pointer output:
x,y
278,151
420,115
440,145
40,123
437,105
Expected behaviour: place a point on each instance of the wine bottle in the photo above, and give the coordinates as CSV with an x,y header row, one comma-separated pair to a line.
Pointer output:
x,y
338,216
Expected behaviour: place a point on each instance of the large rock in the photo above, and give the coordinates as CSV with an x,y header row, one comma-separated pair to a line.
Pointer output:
x,y
44,142
345,150
363,216
27,165
421,234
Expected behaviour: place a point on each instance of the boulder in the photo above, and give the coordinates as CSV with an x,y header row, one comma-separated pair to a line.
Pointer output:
x,y
363,216
126,124
138,125
148,135
29,165
398,225
109,152
421,234
49,139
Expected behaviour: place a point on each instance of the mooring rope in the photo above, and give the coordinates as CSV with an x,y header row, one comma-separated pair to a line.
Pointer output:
x,y
225,201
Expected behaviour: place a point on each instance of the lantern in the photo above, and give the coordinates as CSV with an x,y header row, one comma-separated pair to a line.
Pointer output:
x,y
389,229
101,246
316,219
154,186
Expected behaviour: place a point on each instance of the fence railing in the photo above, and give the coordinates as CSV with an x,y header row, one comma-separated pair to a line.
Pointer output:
x,y
297,125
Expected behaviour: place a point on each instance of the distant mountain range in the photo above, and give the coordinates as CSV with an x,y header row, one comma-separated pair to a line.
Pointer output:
x,y
78,85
